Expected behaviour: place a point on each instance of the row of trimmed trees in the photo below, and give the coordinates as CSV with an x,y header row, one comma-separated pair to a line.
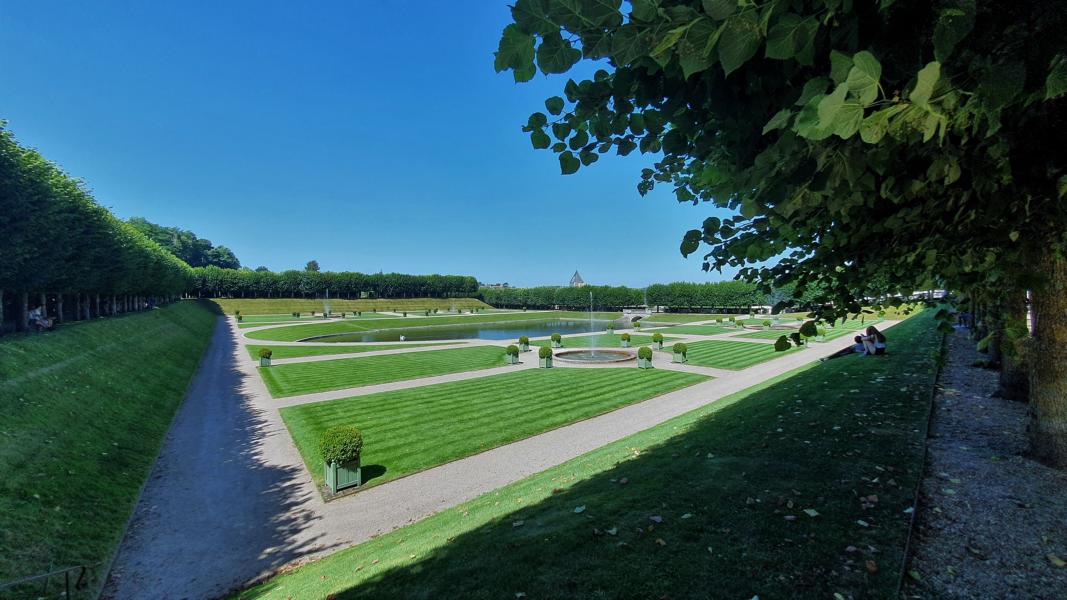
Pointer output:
x,y
62,251
604,297
723,296
212,281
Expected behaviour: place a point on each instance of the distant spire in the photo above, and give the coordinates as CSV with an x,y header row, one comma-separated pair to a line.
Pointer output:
x,y
576,280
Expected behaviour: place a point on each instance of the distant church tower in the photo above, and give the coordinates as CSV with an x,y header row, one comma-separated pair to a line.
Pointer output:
x,y
576,280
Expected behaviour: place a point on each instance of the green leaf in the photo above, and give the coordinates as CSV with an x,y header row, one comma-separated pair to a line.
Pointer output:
x,y
720,9
588,157
537,120
739,41
695,48
644,10
840,65
568,164
875,126
782,39
561,130
1061,187
516,52
661,53
532,17
539,139
812,88
1056,83
953,25
629,44
556,55
580,139
691,242
580,14
924,84
1000,84
778,121
808,329
782,344
863,77
831,103
554,105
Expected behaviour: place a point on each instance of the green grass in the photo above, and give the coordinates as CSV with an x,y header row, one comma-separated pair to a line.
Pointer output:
x,y
85,409
287,306
770,334
737,468
685,317
602,341
301,351
700,329
406,431
299,332
725,354
306,378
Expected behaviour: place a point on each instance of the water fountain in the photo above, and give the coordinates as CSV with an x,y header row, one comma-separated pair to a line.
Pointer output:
x,y
595,354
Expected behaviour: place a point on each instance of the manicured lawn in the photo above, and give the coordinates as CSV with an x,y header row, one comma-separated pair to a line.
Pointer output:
x,y
731,483
299,332
768,334
685,317
406,431
725,354
601,341
85,409
306,378
301,351
286,306
700,329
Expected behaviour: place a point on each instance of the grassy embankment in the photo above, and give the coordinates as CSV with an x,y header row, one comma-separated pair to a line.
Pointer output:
x,y
287,306
798,487
309,350
85,409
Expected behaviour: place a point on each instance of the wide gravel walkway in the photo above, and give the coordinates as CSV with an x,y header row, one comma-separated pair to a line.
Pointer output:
x,y
229,500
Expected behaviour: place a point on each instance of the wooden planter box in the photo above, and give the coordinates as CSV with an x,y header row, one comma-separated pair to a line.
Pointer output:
x,y
264,362
512,359
644,363
657,345
680,358
524,347
546,363
343,476
625,343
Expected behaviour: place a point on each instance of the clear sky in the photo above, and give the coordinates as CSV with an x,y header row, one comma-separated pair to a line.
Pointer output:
x,y
366,135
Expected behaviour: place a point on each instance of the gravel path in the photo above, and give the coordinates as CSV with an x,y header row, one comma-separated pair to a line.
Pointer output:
x,y
991,521
229,500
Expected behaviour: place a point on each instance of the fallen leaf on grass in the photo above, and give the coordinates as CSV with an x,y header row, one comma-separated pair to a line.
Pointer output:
x,y
872,567
863,523
687,516
579,509
1056,561
661,542
518,523
656,519
915,575
612,531
811,512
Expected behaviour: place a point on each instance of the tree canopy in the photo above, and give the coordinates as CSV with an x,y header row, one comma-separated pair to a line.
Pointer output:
x,y
864,148
195,251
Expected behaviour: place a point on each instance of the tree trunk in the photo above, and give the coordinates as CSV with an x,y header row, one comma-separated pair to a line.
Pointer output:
x,y
96,302
1014,366
59,307
1048,370
23,322
1,312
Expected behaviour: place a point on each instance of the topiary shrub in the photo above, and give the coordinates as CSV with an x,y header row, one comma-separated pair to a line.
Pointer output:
x,y
766,323
512,350
525,341
265,353
341,444
644,353
657,337
544,352
236,313
313,313
240,318
625,337
556,337
680,348
405,313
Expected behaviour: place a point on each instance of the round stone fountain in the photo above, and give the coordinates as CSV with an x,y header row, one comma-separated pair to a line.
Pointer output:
x,y
596,355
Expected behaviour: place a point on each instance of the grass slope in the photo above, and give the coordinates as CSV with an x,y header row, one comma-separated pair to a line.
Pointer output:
x,y
725,354
299,332
306,378
700,329
286,306
685,317
406,431
723,479
301,351
601,341
85,409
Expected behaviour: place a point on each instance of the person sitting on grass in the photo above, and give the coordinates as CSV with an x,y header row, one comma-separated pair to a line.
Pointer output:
x,y
873,342
856,348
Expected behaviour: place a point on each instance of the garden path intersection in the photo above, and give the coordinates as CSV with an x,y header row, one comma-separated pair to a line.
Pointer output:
x,y
230,501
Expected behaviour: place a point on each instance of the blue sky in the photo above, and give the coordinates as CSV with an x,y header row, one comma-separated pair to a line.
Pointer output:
x,y
366,135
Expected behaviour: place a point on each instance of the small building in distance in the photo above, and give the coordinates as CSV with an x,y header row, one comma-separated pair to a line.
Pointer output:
x,y
577,281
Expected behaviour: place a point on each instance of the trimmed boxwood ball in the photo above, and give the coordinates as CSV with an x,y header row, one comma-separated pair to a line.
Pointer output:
x,y
657,338
265,352
556,337
544,352
341,444
766,323
644,353
512,350
524,340
625,337
680,348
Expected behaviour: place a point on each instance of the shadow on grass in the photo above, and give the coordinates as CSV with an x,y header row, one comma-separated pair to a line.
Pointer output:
x,y
798,490
217,509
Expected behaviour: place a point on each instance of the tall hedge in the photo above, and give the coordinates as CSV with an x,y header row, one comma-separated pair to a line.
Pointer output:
x,y
215,282
56,242
723,295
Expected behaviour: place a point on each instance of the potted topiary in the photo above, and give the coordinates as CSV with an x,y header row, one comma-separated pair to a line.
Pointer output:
x,y
405,313
637,324
264,357
766,324
657,341
359,313
512,354
545,356
680,350
313,313
239,318
340,448
342,315
820,335
557,341
644,357
611,328
625,340
524,344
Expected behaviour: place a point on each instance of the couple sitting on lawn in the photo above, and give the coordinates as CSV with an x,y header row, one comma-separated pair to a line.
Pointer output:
x,y
870,344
